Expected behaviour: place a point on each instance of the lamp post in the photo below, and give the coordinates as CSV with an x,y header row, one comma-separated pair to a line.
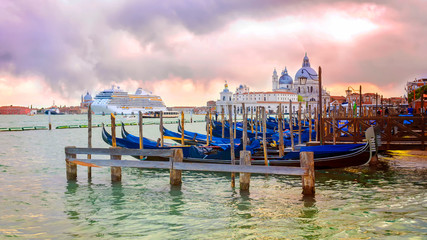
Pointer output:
x,y
350,90
302,80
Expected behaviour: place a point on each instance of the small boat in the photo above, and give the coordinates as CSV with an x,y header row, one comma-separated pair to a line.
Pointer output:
x,y
53,111
201,138
213,154
217,131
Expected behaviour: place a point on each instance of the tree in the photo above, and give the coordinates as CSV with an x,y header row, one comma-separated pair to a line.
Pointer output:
x,y
417,93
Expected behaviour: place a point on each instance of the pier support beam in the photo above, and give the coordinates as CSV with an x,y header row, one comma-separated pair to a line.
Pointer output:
x,y
307,162
71,167
245,178
116,172
175,175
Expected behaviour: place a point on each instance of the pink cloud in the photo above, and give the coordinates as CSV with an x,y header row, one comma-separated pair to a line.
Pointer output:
x,y
194,46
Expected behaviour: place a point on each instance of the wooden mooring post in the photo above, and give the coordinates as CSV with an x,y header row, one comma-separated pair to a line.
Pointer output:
x,y
141,133
309,123
89,138
245,178
176,175
162,140
222,122
280,128
308,180
71,167
50,123
182,128
232,136
264,140
245,127
291,128
113,130
116,172
320,122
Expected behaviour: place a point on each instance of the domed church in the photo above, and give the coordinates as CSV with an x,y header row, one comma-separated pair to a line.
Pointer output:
x,y
306,83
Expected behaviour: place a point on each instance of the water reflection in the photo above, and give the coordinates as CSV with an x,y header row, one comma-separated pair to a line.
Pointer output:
x,y
176,206
117,196
307,219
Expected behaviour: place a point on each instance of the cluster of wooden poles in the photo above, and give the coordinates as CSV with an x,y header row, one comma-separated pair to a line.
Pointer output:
x,y
307,163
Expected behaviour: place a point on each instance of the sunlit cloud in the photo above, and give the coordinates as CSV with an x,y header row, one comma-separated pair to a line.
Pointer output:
x,y
29,91
185,51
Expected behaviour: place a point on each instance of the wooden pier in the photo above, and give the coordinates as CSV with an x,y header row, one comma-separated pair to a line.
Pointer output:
x,y
396,133
176,165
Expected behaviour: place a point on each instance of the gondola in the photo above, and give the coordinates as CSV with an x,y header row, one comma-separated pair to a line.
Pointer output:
x,y
202,137
325,156
189,151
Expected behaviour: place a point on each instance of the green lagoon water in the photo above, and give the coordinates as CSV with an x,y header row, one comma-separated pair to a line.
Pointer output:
x,y
36,201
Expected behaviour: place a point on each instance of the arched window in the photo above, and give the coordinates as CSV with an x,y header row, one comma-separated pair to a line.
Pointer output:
x,y
299,89
230,98
223,98
311,89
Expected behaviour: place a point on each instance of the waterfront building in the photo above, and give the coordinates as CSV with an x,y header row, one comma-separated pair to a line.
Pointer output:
x,y
367,98
304,88
18,110
269,100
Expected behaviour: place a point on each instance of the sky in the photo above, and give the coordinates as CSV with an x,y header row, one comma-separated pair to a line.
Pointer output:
x,y
185,50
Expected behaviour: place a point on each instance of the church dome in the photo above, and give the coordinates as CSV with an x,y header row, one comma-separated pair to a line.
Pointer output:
x,y
87,97
285,78
306,71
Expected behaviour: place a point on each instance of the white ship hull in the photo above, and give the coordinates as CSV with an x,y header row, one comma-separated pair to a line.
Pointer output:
x,y
108,109
119,102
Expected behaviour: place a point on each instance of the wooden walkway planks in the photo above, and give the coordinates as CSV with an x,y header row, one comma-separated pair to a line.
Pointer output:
x,y
121,151
175,165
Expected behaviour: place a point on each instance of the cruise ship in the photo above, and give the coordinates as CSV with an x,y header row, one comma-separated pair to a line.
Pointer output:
x,y
117,101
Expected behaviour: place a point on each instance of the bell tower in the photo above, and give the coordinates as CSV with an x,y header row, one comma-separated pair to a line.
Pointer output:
x,y
275,80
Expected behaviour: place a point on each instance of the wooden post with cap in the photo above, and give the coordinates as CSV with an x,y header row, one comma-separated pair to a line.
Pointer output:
x,y
245,178
116,172
308,179
71,168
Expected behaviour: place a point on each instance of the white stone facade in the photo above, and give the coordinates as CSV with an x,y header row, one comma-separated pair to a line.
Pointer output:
x,y
284,90
306,84
269,100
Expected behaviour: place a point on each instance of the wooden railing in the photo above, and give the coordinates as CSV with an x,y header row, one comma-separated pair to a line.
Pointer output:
x,y
176,165
404,131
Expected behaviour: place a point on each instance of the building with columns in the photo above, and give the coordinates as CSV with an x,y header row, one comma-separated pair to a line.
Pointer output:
x,y
285,90
269,100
